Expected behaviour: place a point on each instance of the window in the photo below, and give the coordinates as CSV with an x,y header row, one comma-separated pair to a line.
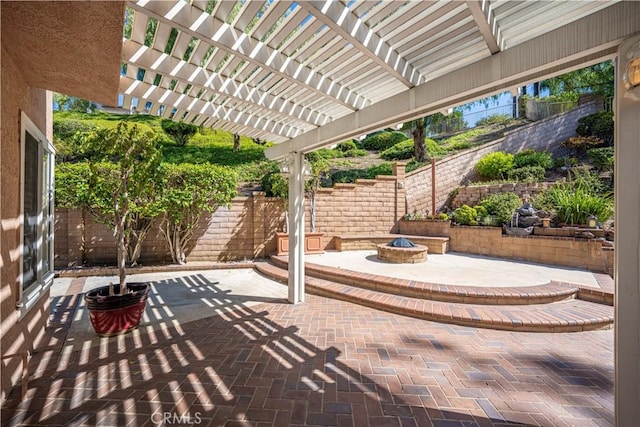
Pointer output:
x,y
36,215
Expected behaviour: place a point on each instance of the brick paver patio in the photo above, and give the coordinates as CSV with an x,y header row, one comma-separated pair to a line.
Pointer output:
x,y
324,362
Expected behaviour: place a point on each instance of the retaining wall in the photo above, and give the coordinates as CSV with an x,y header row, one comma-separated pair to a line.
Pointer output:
x,y
454,171
246,230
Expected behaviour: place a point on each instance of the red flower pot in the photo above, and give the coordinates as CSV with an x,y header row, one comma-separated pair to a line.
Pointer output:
x,y
116,314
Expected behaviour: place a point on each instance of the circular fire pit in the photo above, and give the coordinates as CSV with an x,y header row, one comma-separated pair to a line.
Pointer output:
x,y
402,251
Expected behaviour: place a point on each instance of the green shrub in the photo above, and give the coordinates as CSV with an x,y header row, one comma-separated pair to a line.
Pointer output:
x,y
495,119
67,128
481,211
382,140
602,158
465,215
181,132
401,151
533,158
350,175
527,174
459,145
72,181
598,124
346,146
573,204
275,185
501,206
495,165
356,152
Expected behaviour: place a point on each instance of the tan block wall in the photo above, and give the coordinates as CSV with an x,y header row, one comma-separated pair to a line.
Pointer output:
x,y
471,195
228,234
246,230
459,169
425,228
367,207
18,334
565,251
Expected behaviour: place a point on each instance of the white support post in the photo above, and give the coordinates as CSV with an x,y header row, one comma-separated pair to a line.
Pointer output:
x,y
627,245
296,228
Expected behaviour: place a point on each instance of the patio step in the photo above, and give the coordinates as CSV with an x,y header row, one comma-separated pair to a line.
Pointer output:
x,y
572,315
520,295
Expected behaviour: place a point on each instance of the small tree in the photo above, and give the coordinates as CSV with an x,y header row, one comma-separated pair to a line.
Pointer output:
x,y
319,171
188,191
121,191
181,132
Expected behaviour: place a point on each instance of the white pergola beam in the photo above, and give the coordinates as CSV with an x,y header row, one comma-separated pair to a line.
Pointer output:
x,y
587,40
487,24
347,25
214,31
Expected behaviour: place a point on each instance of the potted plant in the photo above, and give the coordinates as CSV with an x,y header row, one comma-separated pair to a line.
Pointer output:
x,y
319,168
276,184
121,189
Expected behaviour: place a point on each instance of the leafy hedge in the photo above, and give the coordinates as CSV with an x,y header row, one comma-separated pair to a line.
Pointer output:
x,y
599,124
495,165
501,206
602,158
533,158
465,215
350,175
382,140
404,150
527,174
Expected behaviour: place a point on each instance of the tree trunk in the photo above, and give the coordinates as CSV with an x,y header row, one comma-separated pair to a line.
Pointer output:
x,y
236,142
312,210
419,146
122,260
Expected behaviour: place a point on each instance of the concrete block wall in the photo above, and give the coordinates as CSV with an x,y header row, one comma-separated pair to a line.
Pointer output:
x,y
452,172
566,251
471,195
247,229
367,207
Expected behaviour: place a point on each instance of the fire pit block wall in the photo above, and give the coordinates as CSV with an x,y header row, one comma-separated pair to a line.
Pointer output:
x,y
398,255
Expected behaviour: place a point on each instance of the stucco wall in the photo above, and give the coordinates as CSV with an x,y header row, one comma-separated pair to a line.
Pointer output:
x,y
457,170
17,334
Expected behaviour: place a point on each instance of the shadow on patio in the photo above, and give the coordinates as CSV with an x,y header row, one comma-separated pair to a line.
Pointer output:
x,y
324,362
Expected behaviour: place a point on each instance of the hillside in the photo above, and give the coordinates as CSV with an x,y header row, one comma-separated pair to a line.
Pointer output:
x,y
347,162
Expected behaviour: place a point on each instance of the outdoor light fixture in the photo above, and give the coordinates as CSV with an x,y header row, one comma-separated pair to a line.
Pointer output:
x,y
287,163
592,221
631,74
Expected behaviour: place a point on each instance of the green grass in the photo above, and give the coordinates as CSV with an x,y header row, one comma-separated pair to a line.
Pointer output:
x,y
461,140
207,146
144,122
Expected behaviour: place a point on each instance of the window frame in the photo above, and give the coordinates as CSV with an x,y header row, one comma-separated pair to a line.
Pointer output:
x,y
28,297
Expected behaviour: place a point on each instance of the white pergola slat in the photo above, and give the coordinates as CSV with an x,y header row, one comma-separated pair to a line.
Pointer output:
x,y
284,70
351,28
195,23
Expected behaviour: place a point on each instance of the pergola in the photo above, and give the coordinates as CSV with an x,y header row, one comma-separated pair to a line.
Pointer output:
x,y
308,74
